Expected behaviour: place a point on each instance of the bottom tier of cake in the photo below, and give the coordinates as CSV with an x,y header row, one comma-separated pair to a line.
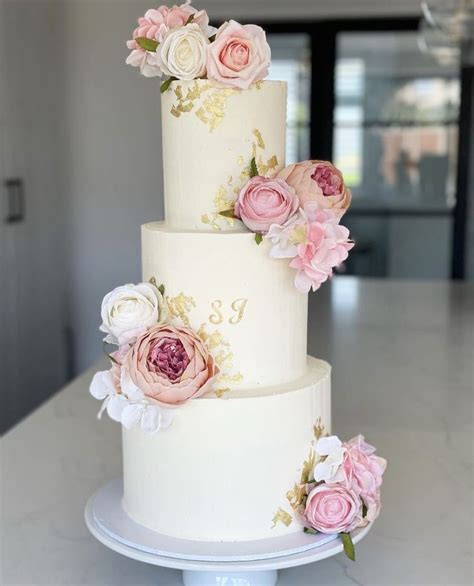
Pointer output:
x,y
221,472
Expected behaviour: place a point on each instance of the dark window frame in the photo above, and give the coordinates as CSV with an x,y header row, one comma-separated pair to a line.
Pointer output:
x,y
323,35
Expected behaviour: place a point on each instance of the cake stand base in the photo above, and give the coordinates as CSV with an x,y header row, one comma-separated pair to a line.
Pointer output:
x,y
262,578
251,563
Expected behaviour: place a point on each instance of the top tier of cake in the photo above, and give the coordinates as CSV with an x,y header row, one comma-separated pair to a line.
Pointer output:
x,y
210,135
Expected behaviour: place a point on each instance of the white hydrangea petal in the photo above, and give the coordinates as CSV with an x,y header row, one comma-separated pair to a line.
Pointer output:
x,y
283,249
115,407
326,445
167,416
151,419
129,387
102,385
132,414
103,407
322,471
109,338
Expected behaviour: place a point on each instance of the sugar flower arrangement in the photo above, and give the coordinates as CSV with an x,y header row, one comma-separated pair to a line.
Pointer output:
x,y
156,367
298,211
178,43
339,488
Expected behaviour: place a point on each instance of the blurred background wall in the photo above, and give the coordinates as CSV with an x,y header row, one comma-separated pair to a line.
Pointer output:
x,y
80,146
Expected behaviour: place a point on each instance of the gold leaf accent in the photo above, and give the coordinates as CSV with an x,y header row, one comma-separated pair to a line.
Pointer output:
x,y
281,516
224,358
221,392
210,108
222,201
201,114
226,194
185,107
318,429
296,496
180,306
258,136
308,467
265,167
258,84
233,379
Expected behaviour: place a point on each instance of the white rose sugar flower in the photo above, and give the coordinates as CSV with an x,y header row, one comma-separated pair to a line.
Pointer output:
x,y
129,310
182,54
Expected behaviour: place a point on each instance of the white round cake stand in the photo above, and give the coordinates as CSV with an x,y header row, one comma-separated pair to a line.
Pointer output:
x,y
205,563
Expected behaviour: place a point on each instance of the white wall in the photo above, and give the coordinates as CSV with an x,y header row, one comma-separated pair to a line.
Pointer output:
x,y
112,160
33,314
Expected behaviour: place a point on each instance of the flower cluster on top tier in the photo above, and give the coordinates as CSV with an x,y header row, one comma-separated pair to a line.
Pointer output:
x,y
178,42
157,366
339,489
299,211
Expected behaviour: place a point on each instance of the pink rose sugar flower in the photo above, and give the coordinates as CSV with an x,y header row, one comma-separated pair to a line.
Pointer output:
x,y
362,471
263,202
171,365
319,182
333,508
154,25
239,56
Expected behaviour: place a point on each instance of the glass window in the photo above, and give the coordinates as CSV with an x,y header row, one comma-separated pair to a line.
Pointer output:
x,y
291,63
395,140
395,132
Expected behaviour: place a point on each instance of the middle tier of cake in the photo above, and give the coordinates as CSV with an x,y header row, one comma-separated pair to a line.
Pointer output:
x,y
243,303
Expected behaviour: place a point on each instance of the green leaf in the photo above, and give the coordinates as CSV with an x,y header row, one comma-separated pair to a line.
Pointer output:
x,y
161,289
147,44
253,168
364,510
212,38
228,214
310,531
258,238
166,84
348,546
190,19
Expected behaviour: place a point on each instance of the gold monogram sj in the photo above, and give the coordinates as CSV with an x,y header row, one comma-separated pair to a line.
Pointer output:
x,y
233,316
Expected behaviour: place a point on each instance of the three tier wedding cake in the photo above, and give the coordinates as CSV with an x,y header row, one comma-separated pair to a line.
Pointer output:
x,y
226,420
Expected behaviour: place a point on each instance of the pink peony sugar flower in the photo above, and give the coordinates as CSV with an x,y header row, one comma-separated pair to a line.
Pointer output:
x,y
319,182
316,243
170,365
239,56
154,25
263,202
362,471
333,508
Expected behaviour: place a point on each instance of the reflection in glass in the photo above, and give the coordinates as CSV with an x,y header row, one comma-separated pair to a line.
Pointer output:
x,y
291,63
395,132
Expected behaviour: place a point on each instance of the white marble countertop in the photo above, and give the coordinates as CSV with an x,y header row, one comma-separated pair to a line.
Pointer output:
x,y
402,354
